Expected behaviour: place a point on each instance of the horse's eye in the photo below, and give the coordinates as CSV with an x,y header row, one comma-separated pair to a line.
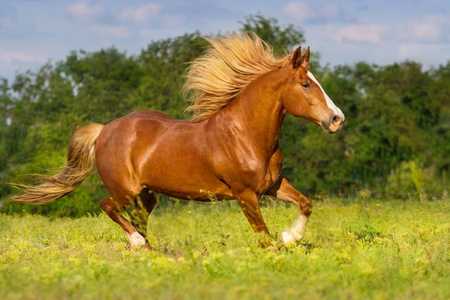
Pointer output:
x,y
306,84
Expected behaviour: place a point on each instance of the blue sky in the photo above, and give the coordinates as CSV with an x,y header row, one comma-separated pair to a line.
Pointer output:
x,y
34,32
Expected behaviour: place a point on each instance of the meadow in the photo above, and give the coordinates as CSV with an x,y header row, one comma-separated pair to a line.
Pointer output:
x,y
358,249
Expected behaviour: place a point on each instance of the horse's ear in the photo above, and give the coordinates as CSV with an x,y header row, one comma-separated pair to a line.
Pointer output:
x,y
305,59
297,58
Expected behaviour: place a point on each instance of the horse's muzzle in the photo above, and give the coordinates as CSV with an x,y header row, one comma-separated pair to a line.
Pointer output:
x,y
335,123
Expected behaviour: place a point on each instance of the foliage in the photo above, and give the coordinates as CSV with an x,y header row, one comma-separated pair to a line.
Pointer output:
x,y
396,115
352,250
281,39
164,63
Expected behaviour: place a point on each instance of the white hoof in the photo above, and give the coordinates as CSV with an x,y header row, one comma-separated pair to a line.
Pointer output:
x,y
296,232
287,237
136,240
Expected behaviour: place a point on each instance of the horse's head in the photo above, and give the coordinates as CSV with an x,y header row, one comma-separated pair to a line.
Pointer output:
x,y
304,96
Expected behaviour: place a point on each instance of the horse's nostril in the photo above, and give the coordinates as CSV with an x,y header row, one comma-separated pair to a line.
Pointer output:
x,y
336,119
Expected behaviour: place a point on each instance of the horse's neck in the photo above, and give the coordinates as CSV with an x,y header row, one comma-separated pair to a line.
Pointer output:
x,y
259,110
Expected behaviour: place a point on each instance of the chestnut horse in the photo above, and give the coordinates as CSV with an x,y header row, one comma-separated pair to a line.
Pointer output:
x,y
241,93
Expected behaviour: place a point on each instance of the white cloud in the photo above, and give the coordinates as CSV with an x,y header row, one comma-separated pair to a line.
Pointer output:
x,y
96,20
423,52
299,10
330,11
10,56
360,33
84,11
426,29
304,11
372,33
140,14
20,57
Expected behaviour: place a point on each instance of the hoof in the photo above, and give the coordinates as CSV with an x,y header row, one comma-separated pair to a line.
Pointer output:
x,y
289,236
296,232
136,240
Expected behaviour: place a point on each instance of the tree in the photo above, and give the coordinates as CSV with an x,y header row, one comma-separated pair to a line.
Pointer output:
x,y
103,82
281,38
164,63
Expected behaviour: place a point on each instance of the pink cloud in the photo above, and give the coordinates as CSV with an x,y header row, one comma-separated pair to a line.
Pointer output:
x,y
85,11
304,11
140,14
428,28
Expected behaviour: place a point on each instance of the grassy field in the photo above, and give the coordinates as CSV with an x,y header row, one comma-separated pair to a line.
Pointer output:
x,y
352,250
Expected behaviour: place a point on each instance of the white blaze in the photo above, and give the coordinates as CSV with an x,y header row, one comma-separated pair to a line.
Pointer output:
x,y
337,111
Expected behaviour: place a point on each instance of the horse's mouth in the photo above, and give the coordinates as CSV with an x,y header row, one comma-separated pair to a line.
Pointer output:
x,y
332,128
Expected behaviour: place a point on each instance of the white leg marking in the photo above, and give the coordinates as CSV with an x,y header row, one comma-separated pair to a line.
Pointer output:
x,y
296,232
136,240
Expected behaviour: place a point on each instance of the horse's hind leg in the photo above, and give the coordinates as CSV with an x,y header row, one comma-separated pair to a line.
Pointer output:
x,y
144,204
112,208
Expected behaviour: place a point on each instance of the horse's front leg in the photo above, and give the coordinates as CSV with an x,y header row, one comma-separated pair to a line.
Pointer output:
x,y
284,191
248,201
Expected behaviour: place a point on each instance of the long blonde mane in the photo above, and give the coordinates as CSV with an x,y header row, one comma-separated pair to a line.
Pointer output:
x,y
227,67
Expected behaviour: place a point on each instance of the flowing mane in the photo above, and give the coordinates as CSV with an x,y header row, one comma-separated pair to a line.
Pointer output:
x,y
229,65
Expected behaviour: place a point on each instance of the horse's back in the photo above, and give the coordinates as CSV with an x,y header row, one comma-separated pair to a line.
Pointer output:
x,y
123,129
139,124
148,114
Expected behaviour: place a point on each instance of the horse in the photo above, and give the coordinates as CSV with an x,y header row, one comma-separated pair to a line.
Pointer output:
x,y
240,93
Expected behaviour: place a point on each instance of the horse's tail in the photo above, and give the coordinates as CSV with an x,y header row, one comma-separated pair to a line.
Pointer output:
x,y
80,163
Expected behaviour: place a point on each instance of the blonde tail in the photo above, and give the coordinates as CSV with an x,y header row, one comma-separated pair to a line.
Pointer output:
x,y
80,163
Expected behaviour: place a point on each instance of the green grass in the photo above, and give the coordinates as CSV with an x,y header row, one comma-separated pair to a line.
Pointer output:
x,y
365,250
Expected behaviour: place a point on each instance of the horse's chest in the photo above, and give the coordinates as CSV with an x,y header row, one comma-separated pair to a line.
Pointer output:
x,y
272,172
263,174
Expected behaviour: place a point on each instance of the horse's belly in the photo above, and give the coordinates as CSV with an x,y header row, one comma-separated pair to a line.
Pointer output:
x,y
185,183
178,171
